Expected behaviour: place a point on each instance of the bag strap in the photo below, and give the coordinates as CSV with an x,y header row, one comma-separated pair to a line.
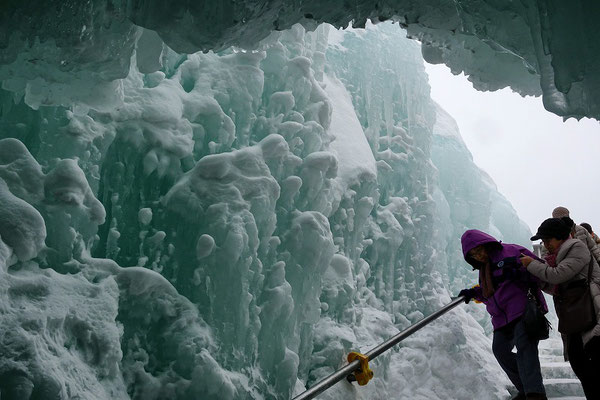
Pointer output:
x,y
532,294
532,288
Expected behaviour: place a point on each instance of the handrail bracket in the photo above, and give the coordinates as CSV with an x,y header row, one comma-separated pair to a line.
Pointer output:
x,y
363,374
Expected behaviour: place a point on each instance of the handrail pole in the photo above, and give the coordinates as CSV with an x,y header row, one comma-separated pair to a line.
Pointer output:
x,y
412,329
346,370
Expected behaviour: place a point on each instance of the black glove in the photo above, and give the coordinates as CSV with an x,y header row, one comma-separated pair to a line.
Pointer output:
x,y
468,293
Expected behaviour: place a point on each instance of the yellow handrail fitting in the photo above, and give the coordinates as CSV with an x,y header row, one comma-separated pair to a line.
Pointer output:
x,y
364,374
475,300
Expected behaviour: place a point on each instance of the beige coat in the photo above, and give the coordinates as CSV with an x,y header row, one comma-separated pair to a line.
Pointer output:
x,y
579,232
572,263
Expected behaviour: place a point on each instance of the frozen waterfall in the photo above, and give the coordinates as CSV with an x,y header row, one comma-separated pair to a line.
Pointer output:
x,y
229,225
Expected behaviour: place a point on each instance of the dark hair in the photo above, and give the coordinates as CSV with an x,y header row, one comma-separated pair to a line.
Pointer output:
x,y
587,226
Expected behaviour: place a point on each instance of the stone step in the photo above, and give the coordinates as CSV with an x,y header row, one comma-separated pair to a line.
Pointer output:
x,y
561,387
560,369
550,359
553,351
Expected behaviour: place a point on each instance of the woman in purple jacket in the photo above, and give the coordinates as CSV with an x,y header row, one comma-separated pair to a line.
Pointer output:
x,y
503,287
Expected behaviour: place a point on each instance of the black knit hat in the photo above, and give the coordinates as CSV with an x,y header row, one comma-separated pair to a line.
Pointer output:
x,y
558,228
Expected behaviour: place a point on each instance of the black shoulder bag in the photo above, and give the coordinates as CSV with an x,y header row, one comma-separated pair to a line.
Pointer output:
x,y
536,324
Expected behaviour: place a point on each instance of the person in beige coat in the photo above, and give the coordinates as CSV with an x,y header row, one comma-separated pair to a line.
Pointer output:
x,y
568,261
588,228
579,232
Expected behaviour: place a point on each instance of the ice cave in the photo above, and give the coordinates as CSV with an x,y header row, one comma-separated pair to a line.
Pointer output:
x,y
222,199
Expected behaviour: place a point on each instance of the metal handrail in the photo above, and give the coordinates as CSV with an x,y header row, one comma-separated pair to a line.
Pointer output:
x,y
346,370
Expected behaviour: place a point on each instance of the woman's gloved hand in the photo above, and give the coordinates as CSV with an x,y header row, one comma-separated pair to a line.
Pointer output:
x,y
468,293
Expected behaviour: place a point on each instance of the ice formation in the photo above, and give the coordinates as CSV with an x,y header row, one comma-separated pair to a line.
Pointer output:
x,y
228,225
535,47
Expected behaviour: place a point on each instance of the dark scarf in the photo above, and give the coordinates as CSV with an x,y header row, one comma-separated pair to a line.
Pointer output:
x,y
485,279
551,261
551,257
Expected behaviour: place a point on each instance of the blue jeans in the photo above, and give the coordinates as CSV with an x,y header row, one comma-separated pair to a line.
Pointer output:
x,y
523,367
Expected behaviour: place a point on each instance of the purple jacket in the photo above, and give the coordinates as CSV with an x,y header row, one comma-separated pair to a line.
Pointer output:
x,y
510,297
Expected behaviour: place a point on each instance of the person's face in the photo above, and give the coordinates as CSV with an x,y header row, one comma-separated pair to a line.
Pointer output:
x,y
552,244
478,253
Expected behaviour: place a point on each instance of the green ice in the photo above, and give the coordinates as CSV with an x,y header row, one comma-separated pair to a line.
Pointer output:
x,y
228,225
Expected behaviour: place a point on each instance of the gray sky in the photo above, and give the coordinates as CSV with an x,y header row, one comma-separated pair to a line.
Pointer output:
x,y
537,160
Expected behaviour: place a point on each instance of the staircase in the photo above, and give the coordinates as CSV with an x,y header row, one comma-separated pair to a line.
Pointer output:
x,y
559,379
